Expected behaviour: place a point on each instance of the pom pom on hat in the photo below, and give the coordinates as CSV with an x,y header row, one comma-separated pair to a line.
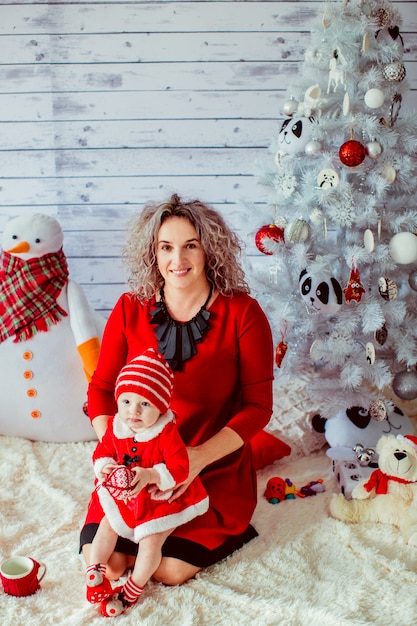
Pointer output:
x,y
148,375
411,439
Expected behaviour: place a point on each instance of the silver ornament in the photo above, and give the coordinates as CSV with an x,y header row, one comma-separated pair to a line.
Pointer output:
x,y
290,107
297,232
373,149
394,71
364,455
405,385
312,148
412,280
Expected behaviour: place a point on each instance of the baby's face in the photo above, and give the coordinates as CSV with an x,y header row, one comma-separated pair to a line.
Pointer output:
x,y
136,411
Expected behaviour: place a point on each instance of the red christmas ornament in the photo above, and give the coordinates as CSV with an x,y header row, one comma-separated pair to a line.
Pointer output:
x,y
118,482
354,289
280,352
352,153
282,347
271,232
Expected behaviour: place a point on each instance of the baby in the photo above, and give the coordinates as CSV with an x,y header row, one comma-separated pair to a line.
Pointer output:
x,y
141,447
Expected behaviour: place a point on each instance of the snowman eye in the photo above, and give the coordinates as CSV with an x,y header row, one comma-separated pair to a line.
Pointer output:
x,y
14,236
37,240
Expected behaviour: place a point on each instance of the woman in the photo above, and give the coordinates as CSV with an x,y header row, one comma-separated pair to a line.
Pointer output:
x,y
189,299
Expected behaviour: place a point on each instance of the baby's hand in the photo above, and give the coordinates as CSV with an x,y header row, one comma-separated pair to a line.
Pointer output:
x,y
107,469
143,477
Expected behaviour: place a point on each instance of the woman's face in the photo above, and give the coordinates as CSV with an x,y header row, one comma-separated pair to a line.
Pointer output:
x,y
179,254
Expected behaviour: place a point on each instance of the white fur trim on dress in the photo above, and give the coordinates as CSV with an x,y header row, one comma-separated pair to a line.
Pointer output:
x,y
122,430
100,463
151,527
166,480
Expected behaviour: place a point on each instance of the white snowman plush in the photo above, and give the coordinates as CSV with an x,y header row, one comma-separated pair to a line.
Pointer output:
x,y
49,336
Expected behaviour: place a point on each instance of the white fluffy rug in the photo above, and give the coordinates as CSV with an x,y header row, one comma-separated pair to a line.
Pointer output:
x,y
304,569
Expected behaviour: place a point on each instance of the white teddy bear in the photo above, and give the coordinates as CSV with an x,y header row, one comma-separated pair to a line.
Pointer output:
x,y
389,496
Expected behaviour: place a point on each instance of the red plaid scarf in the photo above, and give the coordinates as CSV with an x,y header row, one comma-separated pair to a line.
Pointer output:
x,y
28,293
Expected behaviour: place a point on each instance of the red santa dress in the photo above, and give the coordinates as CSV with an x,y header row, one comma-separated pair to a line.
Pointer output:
x,y
160,447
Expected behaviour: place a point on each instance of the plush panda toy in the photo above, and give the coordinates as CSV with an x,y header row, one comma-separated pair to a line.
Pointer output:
x,y
352,435
321,293
355,425
294,134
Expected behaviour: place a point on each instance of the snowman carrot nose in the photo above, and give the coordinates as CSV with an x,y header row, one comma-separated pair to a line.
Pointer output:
x,y
23,246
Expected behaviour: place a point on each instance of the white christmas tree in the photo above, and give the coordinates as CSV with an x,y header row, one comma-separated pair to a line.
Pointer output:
x,y
339,228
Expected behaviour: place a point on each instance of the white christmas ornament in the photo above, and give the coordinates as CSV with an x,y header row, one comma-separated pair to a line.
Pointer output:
x,y
326,21
388,172
312,101
370,352
294,135
336,71
403,248
312,95
346,104
374,98
328,178
368,240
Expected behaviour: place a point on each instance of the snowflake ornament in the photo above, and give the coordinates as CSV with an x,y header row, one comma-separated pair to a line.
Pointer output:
x,y
286,183
343,212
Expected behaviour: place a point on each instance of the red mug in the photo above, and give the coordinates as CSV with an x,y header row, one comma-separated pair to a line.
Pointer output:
x,y
21,575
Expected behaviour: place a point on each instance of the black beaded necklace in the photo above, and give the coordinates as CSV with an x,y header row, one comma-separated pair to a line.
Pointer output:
x,y
177,340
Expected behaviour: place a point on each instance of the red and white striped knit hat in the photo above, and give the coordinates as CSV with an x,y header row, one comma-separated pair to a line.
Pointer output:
x,y
148,375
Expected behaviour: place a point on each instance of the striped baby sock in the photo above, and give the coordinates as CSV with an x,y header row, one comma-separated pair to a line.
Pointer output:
x,y
131,592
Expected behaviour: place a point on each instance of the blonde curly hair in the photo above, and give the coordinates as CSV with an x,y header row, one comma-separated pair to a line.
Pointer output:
x,y
221,246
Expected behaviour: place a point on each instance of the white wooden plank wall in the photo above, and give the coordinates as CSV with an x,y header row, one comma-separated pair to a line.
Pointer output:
x,y
106,105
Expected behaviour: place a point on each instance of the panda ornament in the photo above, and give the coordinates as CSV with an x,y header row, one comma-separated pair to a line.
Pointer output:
x,y
321,293
294,135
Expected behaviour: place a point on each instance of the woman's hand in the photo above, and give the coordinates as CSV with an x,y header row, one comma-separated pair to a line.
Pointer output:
x,y
196,465
220,445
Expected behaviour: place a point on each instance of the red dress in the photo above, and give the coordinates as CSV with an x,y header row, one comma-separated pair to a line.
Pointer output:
x,y
159,447
227,383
